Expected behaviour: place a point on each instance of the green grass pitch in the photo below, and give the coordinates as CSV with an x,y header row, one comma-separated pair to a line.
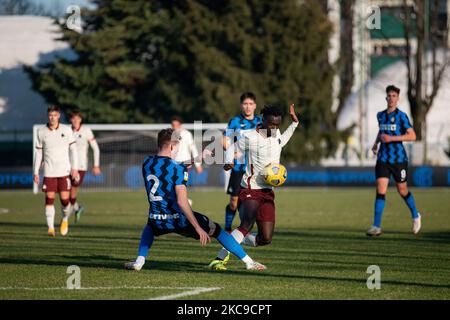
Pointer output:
x,y
319,249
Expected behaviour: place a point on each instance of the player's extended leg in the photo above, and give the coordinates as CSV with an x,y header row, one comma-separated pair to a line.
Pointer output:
x,y
65,212
227,240
380,200
402,189
247,212
146,242
50,212
230,212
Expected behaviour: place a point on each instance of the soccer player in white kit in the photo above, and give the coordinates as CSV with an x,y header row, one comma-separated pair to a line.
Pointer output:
x,y
85,138
187,152
261,147
56,147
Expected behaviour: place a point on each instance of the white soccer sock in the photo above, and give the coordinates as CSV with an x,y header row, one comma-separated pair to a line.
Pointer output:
x,y
76,206
66,212
50,215
238,236
140,260
250,240
247,260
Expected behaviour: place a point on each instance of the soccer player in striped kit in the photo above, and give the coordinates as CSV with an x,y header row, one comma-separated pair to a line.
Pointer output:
x,y
247,120
394,128
169,209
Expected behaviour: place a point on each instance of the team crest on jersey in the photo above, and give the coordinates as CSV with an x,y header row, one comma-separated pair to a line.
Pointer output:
x,y
186,176
62,135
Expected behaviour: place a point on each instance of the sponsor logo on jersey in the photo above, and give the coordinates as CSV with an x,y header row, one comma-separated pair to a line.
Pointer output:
x,y
186,176
164,216
388,127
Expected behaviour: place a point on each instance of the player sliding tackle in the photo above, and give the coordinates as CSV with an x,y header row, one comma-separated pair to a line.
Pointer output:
x,y
256,198
170,212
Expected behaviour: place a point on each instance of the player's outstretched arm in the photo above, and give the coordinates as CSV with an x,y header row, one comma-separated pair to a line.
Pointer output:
x,y
287,134
183,203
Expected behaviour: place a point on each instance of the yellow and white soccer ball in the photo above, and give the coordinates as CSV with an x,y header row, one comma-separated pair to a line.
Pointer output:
x,y
275,174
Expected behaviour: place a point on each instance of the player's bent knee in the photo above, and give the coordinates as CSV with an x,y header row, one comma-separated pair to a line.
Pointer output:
x,y
64,202
49,201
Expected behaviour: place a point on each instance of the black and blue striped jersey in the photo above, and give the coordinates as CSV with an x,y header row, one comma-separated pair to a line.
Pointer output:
x,y
394,124
161,175
235,125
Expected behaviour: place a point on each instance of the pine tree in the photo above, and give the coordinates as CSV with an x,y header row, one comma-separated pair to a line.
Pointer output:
x,y
144,61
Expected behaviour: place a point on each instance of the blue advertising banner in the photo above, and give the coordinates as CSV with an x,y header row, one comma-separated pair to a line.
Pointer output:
x,y
130,177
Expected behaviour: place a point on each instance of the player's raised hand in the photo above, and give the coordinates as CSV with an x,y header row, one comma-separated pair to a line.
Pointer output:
x,y
204,237
292,113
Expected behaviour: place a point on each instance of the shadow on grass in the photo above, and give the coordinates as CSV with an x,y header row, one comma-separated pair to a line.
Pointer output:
x,y
107,262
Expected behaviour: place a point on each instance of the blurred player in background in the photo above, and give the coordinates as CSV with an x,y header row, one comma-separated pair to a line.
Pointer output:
x,y
394,128
170,212
187,153
56,146
84,138
256,199
245,121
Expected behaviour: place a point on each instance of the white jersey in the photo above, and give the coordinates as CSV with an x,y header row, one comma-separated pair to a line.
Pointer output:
x,y
261,151
55,145
187,149
84,136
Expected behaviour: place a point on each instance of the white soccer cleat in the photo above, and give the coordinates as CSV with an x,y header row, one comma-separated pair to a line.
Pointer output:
x,y
417,224
133,265
374,231
255,266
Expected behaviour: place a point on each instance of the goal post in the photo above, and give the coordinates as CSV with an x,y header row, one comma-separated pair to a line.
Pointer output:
x,y
123,147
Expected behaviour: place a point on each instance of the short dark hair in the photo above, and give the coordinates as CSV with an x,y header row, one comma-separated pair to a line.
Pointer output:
x,y
247,95
166,136
53,108
392,88
177,118
270,110
75,112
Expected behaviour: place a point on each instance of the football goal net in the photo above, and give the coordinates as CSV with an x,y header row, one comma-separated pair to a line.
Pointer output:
x,y
123,147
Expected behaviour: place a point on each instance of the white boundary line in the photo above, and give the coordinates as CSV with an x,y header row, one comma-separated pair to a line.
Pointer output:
x,y
186,293
191,291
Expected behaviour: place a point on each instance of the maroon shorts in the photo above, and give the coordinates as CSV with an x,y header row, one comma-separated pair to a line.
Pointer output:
x,y
266,200
80,181
56,184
